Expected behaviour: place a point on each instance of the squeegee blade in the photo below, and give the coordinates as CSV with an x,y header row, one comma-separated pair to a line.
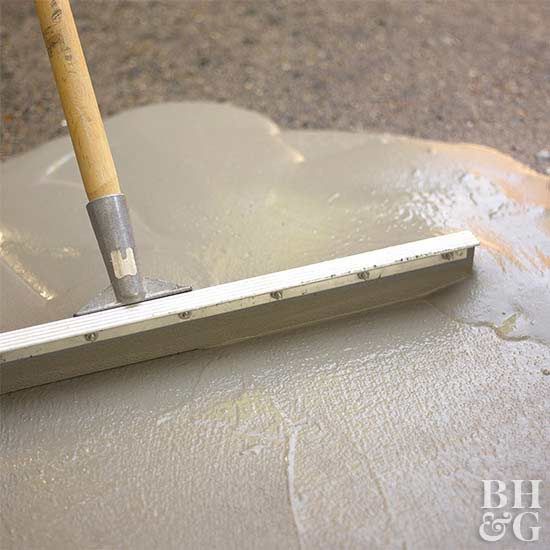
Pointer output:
x,y
233,311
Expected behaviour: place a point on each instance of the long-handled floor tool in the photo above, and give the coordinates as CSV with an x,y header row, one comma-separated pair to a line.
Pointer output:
x,y
139,318
107,206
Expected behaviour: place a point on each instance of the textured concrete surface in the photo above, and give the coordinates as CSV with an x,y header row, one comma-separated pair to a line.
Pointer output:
x,y
373,431
473,71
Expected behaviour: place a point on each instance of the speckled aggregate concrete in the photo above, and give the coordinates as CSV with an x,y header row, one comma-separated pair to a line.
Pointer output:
x,y
473,71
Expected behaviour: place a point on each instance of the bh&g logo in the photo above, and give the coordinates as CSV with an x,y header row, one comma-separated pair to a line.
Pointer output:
x,y
524,523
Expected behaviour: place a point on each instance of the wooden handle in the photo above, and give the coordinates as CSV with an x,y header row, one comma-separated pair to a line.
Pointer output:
x,y
78,98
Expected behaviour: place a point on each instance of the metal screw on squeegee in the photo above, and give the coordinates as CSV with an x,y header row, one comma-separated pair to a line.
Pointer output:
x,y
91,337
363,275
184,315
277,295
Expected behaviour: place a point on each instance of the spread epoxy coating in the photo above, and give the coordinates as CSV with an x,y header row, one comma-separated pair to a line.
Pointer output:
x,y
373,431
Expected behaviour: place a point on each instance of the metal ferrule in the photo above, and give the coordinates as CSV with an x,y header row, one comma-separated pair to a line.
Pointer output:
x,y
111,224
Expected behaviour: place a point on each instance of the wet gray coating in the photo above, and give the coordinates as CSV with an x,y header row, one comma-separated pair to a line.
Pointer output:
x,y
371,431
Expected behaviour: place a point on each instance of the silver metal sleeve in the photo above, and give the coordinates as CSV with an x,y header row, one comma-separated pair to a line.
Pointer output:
x,y
111,224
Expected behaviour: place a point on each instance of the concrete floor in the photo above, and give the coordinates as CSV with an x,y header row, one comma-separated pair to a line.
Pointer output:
x,y
372,431
473,71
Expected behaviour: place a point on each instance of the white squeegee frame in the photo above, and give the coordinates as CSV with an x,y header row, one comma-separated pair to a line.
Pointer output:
x,y
233,296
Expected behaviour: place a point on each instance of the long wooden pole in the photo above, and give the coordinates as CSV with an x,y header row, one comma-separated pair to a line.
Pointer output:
x,y
78,98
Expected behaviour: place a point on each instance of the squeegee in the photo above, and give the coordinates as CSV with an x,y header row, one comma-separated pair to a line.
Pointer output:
x,y
139,318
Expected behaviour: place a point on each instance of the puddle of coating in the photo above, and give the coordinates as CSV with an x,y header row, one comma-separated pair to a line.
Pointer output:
x,y
351,433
